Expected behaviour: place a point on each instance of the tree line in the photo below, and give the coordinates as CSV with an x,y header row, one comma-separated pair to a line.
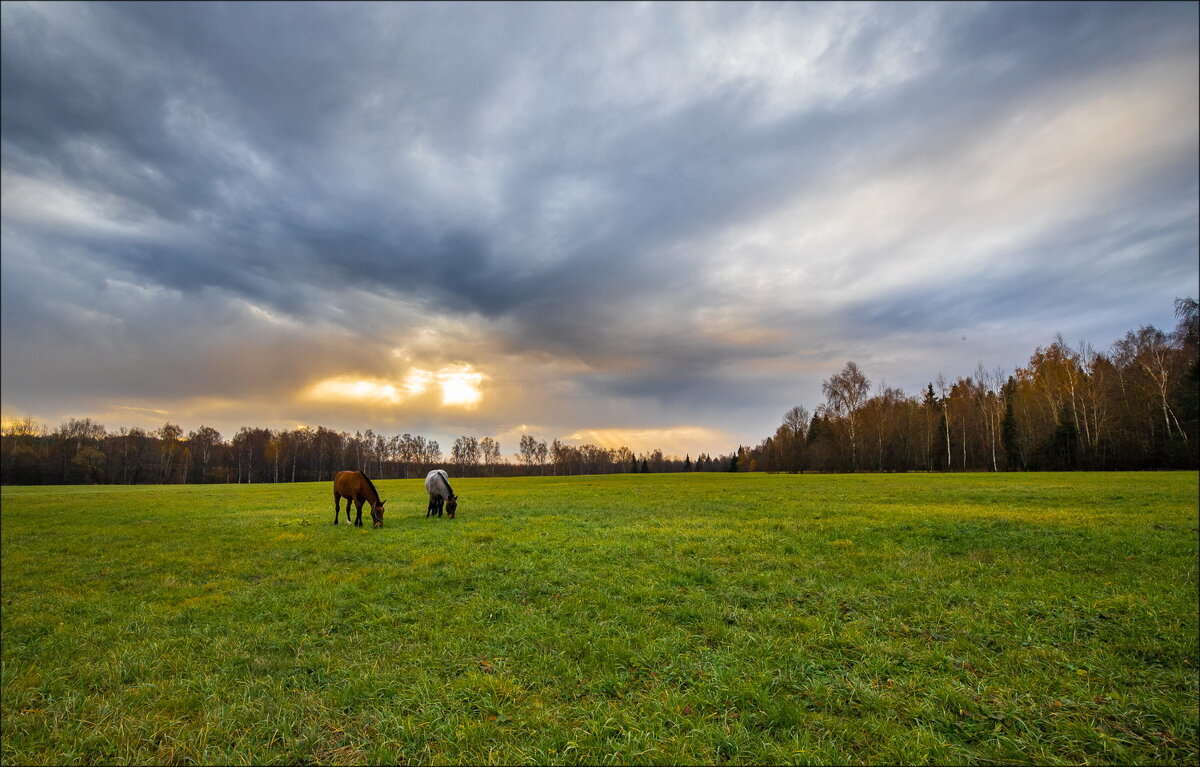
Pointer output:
x,y
81,451
1133,406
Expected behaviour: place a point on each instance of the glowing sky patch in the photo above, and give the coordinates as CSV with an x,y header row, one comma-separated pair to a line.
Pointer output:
x,y
418,381
674,440
458,386
351,389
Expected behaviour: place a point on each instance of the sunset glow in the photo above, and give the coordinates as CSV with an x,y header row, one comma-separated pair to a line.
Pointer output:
x,y
676,440
458,385
418,382
349,389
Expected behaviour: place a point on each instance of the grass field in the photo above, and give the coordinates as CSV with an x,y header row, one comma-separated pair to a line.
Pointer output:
x,y
703,618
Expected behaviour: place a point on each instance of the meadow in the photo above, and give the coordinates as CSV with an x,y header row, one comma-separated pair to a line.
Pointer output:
x,y
630,619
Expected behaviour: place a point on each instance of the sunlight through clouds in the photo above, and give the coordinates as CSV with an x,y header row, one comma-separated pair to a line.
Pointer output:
x,y
418,381
350,389
459,386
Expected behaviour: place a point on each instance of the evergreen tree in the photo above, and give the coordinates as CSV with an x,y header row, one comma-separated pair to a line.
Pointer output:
x,y
930,397
1008,429
816,428
687,462
930,403
1065,443
943,434
1189,415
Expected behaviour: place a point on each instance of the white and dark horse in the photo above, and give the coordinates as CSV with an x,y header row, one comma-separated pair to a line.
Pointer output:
x,y
437,484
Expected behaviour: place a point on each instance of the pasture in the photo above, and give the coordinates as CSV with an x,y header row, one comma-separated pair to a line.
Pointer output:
x,y
631,619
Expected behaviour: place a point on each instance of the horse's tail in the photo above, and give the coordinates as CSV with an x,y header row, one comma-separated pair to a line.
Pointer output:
x,y
370,484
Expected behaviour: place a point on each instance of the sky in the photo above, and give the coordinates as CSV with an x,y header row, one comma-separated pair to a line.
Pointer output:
x,y
656,225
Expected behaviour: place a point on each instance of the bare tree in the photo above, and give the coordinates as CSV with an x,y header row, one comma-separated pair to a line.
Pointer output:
x,y
540,452
944,392
796,421
528,450
846,392
560,457
1148,349
465,453
623,457
991,405
169,436
204,442
489,452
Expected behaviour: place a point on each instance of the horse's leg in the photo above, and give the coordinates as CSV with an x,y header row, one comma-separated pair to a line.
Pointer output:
x,y
441,502
429,508
337,506
358,502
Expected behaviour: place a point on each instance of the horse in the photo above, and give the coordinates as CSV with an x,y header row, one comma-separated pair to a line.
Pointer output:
x,y
438,486
356,487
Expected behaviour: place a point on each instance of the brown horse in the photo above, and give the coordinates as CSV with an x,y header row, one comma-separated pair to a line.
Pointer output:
x,y
357,487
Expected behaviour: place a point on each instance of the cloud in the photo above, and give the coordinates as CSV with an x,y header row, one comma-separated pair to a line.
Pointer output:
x,y
457,385
654,214
1042,166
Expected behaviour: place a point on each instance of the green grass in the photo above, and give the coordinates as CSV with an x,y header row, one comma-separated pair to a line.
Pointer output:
x,y
750,618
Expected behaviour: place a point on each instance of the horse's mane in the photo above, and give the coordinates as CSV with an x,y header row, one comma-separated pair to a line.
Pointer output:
x,y
446,479
370,484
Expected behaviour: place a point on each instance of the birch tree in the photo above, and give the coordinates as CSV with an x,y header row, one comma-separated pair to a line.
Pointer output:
x,y
845,393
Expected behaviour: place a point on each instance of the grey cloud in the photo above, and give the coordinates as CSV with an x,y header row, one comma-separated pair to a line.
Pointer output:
x,y
1088,275
277,146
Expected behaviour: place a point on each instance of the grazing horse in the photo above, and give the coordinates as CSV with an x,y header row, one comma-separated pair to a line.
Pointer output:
x,y
438,487
356,487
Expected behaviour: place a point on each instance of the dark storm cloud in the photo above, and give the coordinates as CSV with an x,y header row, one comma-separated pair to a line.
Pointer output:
x,y
558,172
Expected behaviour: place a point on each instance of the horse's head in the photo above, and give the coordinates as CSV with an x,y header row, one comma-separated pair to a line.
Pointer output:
x,y
377,513
451,506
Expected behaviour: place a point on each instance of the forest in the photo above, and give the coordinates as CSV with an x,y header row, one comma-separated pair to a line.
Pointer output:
x,y
1132,406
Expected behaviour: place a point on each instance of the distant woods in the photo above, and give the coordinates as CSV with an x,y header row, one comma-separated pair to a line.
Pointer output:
x,y
1134,406
83,452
